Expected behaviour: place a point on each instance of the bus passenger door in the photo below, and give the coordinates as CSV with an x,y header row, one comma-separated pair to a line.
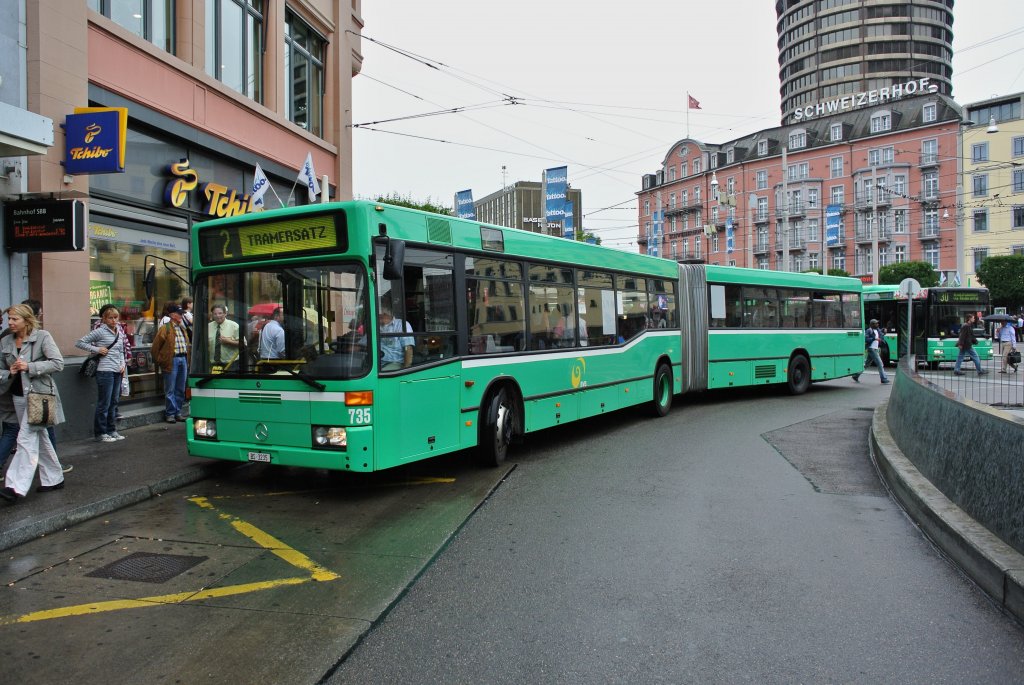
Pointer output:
x,y
428,417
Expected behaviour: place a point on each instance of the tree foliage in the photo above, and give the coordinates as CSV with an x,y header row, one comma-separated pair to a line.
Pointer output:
x,y
1004,278
922,272
587,237
838,272
427,205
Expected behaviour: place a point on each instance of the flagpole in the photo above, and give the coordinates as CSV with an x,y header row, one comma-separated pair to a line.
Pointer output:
x,y
687,114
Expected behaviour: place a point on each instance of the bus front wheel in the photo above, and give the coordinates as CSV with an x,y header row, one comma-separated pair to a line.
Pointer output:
x,y
798,379
497,428
662,391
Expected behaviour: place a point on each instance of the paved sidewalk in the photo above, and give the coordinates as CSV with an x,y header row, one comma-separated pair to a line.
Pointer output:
x,y
151,460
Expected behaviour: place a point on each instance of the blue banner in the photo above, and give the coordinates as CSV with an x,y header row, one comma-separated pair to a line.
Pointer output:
x,y
654,244
832,214
569,227
730,237
95,141
556,181
464,208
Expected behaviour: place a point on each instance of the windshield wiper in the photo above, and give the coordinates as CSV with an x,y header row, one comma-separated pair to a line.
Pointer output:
x,y
306,378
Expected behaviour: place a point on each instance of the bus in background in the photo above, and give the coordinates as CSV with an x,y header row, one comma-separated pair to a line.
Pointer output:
x,y
746,327
390,335
938,314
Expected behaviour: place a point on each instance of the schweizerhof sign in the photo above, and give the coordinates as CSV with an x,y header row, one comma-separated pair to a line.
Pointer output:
x,y
865,99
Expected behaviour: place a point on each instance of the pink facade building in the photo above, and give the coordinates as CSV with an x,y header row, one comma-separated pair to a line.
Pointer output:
x,y
851,186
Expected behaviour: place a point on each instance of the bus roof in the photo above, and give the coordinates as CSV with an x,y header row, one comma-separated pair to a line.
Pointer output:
x,y
787,279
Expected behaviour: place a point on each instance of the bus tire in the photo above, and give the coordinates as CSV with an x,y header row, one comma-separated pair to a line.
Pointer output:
x,y
498,421
662,401
798,378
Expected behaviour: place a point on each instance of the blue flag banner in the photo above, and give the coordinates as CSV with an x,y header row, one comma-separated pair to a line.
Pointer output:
x,y
464,208
832,213
556,181
569,227
730,237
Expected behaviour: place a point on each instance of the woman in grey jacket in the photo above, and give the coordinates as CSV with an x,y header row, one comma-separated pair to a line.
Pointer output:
x,y
105,341
28,358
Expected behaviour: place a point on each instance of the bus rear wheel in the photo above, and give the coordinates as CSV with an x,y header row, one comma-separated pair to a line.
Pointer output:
x,y
498,421
662,401
798,378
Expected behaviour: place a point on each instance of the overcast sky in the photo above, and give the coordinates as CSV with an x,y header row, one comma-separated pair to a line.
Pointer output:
x,y
598,85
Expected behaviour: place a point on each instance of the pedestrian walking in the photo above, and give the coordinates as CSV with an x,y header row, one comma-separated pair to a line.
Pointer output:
x,y
1008,335
873,337
966,343
107,343
171,353
9,419
28,359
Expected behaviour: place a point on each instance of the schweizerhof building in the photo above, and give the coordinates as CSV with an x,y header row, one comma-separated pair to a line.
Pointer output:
x,y
831,49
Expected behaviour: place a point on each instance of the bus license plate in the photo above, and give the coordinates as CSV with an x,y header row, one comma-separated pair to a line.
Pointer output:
x,y
259,456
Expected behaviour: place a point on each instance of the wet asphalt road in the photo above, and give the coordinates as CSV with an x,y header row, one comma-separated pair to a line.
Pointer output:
x,y
740,539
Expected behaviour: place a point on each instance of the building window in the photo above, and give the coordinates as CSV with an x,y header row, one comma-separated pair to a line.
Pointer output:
x,y
696,195
672,173
881,121
931,254
1018,216
304,71
813,260
1017,250
152,20
836,166
683,169
1018,180
730,155
761,180
930,185
980,255
234,45
647,206
980,220
979,182
812,198
812,230
929,112
838,195
929,151
899,221
696,166
839,260
836,133
979,152
900,254
798,139
730,186
762,148
1018,146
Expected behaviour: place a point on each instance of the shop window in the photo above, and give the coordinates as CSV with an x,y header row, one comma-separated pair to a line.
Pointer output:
x,y
116,268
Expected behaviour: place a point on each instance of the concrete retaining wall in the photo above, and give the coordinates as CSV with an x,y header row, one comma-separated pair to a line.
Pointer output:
x,y
973,454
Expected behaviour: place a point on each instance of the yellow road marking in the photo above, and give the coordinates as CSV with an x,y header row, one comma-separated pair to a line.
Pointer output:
x,y
145,602
261,538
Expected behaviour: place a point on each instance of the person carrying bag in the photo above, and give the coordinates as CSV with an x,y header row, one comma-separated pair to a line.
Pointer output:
x,y
105,342
28,359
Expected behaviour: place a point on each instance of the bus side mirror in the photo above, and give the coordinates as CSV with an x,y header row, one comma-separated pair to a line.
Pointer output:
x,y
149,281
394,259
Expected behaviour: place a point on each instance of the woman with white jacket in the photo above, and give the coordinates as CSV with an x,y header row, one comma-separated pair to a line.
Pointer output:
x,y
28,359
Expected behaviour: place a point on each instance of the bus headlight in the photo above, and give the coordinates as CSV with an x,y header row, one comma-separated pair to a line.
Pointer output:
x,y
204,428
330,437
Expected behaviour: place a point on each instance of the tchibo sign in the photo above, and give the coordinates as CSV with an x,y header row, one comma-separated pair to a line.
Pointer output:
x,y
866,99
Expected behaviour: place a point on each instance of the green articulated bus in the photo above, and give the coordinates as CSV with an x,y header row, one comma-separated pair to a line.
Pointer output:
x,y
938,314
753,327
360,336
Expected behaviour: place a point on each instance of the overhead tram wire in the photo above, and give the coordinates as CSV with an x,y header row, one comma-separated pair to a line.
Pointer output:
x,y
452,110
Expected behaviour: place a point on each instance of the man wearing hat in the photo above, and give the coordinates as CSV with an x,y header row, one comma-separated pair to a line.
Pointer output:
x,y
874,338
171,353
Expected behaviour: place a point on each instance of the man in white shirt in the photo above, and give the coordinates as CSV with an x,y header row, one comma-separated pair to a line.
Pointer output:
x,y
222,337
396,351
272,337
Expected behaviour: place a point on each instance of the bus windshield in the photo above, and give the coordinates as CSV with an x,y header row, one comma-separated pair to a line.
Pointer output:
x,y
303,321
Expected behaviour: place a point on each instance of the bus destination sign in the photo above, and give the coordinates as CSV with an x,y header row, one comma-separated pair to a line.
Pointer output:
x,y
264,240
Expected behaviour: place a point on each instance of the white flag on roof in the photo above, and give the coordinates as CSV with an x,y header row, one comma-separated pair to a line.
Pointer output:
x,y
307,177
260,184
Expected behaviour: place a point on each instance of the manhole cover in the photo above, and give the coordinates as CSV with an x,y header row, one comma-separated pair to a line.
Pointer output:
x,y
145,567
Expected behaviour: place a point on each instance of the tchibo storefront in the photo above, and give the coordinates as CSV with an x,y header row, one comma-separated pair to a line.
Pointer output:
x,y
174,176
